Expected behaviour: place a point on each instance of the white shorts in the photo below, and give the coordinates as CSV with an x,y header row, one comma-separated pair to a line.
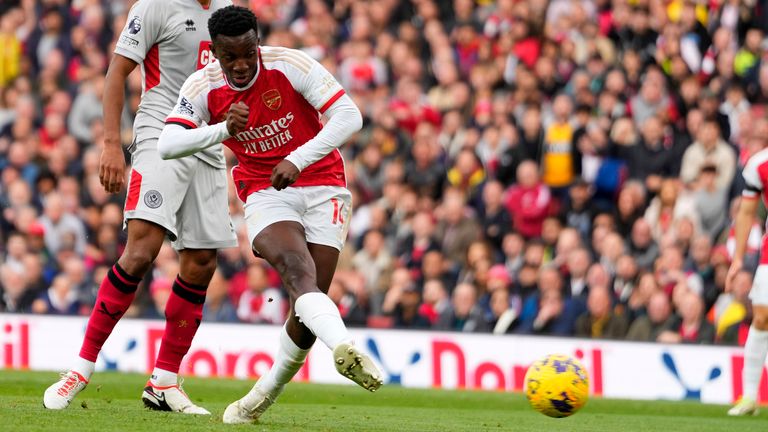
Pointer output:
x,y
324,211
759,292
187,197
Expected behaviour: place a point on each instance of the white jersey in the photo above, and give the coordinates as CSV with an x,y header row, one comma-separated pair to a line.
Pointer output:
x,y
170,40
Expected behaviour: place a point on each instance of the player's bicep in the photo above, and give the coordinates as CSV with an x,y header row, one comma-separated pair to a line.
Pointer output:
x,y
321,89
191,109
119,68
748,206
186,114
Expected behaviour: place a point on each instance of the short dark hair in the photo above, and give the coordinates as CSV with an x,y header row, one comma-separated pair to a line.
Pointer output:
x,y
232,21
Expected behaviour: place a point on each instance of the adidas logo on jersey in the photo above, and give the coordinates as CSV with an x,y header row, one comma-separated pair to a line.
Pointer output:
x,y
190,25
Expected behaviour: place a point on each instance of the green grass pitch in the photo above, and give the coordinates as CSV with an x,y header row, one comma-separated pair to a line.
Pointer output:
x,y
112,403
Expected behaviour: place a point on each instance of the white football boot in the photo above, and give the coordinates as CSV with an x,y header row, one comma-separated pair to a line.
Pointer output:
x,y
744,407
170,398
60,394
250,407
357,366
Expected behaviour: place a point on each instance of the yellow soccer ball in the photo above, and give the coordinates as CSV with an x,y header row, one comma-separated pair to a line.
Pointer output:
x,y
557,385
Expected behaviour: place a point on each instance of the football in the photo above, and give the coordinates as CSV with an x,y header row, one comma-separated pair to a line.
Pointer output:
x,y
557,385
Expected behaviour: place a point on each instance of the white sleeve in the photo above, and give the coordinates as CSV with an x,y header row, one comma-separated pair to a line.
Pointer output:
x,y
191,109
186,131
176,141
344,119
143,29
313,81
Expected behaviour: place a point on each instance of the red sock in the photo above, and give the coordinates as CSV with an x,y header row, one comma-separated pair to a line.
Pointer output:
x,y
183,314
115,295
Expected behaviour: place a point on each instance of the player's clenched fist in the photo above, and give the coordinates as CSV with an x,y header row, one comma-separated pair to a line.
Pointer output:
x,y
237,118
284,174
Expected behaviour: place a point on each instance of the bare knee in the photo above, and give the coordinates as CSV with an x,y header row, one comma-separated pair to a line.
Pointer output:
x,y
144,242
137,260
297,271
198,265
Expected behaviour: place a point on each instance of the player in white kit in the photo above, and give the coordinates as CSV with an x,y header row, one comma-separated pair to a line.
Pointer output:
x,y
184,199
264,103
755,349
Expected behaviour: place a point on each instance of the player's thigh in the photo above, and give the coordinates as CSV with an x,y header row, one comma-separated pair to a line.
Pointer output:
x,y
283,245
203,220
329,209
268,207
156,187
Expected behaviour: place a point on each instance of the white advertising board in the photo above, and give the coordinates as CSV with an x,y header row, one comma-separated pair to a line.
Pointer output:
x,y
410,358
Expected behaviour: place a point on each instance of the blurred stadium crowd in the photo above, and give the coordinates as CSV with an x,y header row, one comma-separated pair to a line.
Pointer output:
x,y
562,167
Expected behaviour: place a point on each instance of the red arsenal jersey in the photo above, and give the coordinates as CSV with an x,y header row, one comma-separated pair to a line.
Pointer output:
x,y
285,100
756,179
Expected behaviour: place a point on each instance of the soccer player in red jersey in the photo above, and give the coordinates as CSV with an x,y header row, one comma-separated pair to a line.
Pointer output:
x,y
756,347
184,199
264,103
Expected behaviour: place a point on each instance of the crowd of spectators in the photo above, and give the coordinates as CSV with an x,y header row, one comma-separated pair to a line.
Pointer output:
x,y
561,167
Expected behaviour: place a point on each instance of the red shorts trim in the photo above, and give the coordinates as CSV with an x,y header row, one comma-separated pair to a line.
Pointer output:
x,y
134,191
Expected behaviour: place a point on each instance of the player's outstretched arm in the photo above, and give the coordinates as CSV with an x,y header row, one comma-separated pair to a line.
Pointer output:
x,y
179,138
176,142
112,162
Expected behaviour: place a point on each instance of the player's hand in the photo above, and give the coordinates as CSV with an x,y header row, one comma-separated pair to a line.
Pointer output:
x,y
284,174
112,168
733,270
237,118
